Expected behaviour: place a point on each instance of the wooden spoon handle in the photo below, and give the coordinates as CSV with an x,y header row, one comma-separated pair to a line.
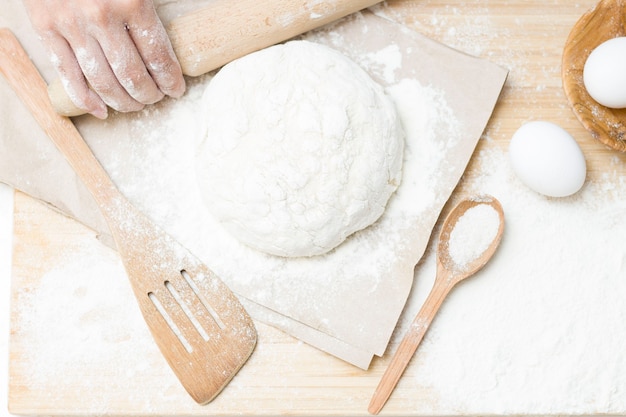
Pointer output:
x,y
20,72
409,344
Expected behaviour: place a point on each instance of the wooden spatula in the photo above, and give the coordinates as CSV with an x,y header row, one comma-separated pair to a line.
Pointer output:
x,y
199,325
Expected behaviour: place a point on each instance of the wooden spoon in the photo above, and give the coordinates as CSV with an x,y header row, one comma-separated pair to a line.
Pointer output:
x,y
202,330
605,21
449,273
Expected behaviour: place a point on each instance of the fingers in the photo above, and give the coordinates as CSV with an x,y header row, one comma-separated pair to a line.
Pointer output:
x,y
115,52
125,83
71,74
155,49
143,66
105,73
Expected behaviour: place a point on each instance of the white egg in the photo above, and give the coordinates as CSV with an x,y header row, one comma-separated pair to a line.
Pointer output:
x,y
547,159
604,73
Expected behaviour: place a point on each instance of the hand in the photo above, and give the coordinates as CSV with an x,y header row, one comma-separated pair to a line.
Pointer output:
x,y
108,52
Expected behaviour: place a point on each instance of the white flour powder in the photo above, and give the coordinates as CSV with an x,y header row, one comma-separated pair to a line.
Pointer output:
x,y
539,330
164,187
472,234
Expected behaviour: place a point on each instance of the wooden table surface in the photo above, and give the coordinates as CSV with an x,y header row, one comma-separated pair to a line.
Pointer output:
x,y
285,376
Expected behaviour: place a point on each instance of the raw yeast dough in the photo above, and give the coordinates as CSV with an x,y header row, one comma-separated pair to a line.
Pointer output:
x,y
299,149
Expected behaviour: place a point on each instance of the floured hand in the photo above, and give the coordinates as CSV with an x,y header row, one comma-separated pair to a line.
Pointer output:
x,y
108,52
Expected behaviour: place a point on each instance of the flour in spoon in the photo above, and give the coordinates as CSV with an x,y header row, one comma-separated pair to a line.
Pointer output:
x,y
473,233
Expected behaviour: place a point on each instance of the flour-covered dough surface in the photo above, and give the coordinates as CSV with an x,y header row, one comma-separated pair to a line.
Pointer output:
x,y
299,149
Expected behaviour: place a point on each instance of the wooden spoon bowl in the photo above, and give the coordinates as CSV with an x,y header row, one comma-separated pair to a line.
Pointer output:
x,y
605,21
448,275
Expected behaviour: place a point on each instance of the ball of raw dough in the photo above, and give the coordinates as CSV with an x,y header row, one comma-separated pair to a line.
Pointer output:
x,y
300,148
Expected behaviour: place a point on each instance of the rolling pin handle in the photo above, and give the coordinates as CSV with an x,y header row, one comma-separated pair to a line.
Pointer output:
x,y
225,30
61,101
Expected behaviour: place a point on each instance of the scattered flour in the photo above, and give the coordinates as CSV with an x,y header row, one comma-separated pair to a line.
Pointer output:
x,y
524,336
388,60
98,317
540,329
83,316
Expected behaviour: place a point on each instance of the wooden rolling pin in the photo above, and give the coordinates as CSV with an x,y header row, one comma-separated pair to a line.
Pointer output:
x,y
229,29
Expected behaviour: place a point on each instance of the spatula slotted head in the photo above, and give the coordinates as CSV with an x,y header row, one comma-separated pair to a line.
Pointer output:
x,y
200,326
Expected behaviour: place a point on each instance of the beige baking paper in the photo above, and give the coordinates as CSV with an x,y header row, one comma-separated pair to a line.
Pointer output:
x,y
329,301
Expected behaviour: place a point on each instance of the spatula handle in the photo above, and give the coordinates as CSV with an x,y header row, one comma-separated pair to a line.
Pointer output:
x,y
24,78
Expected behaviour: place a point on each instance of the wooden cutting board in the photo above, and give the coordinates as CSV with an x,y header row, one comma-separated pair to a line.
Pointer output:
x,y
285,376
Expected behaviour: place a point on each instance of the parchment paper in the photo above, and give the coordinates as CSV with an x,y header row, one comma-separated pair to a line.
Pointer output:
x,y
348,312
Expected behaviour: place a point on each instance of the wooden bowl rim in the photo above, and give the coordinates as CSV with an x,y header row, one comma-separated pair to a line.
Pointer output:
x,y
605,124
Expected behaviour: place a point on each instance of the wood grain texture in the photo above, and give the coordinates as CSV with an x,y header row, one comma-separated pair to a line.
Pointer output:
x,y
225,30
606,21
448,275
209,38
285,376
204,354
